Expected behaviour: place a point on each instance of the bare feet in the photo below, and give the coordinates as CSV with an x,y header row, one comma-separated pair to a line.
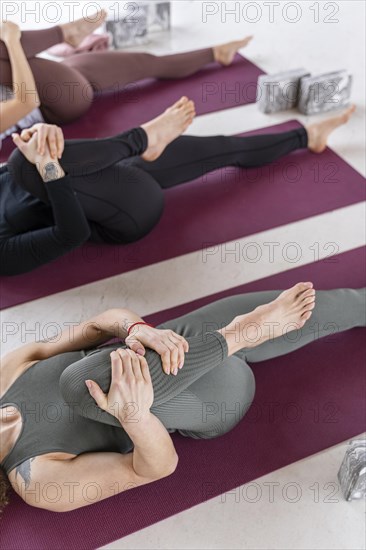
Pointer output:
x,y
75,32
288,312
319,132
167,127
225,53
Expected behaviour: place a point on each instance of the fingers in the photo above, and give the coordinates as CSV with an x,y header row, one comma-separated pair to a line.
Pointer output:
x,y
177,346
52,141
136,346
48,135
26,135
97,394
116,366
41,139
145,371
18,141
131,364
60,142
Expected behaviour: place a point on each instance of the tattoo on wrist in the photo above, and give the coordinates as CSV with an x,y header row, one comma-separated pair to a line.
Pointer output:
x,y
50,172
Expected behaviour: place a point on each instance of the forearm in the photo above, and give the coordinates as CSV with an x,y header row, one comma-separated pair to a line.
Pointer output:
x,y
154,455
24,85
49,169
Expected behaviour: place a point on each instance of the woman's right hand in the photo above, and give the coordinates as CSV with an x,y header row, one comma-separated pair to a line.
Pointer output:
x,y
131,393
49,138
9,31
29,148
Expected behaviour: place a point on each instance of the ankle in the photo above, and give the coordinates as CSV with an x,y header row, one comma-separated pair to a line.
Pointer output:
x,y
242,333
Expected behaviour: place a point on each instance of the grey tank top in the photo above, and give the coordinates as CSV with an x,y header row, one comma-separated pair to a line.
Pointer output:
x,y
50,424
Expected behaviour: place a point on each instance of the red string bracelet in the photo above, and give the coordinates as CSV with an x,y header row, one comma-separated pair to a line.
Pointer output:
x,y
139,323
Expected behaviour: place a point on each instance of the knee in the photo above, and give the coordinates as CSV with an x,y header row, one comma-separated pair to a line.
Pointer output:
x,y
236,398
143,204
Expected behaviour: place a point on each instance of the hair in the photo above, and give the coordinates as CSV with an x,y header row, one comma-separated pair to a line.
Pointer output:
x,y
4,490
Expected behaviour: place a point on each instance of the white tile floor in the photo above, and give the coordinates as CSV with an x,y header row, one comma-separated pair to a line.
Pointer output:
x,y
313,522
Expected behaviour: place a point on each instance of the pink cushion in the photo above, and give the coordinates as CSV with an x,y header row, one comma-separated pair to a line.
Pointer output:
x,y
92,43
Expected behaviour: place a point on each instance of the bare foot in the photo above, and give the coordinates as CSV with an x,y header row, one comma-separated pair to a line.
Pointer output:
x,y
319,132
288,312
75,32
225,53
167,127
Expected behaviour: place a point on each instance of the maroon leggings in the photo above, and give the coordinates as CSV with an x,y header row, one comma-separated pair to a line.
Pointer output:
x,y
66,89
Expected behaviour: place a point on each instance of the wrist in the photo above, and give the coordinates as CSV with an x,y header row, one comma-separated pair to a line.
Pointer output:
x,y
138,424
49,168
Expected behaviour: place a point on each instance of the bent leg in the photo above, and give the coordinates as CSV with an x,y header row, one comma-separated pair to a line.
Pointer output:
x,y
114,69
205,355
213,405
34,42
190,157
64,93
81,158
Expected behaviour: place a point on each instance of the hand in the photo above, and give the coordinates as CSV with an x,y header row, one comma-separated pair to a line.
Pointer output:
x,y
131,393
29,148
47,135
9,31
48,168
169,345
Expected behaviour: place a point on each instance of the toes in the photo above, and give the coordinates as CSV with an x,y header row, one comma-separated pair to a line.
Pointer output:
x,y
300,288
183,100
306,316
308,293
305,303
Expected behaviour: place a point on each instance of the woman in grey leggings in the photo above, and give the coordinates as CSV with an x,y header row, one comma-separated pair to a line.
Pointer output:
x,y
72,417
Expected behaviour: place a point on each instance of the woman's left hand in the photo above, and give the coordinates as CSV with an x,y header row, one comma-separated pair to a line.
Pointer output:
x,y
47,135
169,345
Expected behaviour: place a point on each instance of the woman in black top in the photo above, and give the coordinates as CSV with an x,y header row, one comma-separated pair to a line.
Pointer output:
x,y
54,196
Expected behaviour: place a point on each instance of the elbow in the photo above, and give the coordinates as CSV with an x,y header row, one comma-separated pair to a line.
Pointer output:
x,y
170,467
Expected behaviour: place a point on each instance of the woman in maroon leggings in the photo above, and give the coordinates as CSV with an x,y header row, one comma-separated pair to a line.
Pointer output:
x,y
64,91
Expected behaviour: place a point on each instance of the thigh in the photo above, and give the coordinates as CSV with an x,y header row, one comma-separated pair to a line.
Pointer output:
x,y
125,201
212,405
64,93
218,314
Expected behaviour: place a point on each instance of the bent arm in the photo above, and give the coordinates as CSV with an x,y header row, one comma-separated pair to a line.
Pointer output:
x,y
112,323
27,251
153,458
26,97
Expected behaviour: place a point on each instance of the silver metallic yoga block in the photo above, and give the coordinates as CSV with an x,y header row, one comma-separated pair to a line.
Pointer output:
x,y
279,92
140,19
326,92
352,473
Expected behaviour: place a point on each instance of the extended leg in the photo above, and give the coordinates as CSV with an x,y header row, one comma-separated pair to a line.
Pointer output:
x,y
114,69
335,311
190,157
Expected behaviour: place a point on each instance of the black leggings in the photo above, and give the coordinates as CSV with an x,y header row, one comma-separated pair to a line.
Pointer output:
x,y
123,194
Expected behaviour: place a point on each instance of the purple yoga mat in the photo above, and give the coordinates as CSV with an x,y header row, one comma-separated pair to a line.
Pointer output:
x,y
219,207
305,402
213,88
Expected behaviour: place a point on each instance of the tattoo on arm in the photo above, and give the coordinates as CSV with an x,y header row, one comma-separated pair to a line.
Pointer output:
x,y
24,470
50,172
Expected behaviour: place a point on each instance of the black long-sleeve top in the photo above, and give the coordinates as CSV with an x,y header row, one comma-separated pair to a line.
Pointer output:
x,y
33,233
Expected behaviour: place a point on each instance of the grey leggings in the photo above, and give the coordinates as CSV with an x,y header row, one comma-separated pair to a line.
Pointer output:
x,y
212,392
